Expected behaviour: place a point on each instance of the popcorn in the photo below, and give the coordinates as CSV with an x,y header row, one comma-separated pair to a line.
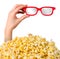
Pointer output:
x,y
29,47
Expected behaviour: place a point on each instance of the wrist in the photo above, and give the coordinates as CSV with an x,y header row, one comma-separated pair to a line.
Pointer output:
x,y
8,29
8,34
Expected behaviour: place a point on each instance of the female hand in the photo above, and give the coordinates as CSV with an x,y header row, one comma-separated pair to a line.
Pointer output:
x,y
13,21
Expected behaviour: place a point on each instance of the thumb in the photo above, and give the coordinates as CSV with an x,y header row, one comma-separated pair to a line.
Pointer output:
x,y
21,18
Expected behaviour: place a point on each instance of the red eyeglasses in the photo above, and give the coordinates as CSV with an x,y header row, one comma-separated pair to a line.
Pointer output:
x,y
46,10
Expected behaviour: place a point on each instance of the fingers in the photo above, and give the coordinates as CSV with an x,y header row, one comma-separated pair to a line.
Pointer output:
x,y
17,8
21,11
21,18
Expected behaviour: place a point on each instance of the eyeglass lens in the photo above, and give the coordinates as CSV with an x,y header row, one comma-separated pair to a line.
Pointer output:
x,y
31,10
46,10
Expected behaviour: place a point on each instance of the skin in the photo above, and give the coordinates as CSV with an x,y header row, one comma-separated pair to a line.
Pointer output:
x,y
13,21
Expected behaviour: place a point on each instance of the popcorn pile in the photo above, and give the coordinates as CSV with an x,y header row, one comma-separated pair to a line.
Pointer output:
x,y
29,47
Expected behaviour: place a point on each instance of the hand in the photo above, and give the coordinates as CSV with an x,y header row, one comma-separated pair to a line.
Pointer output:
x,y
13,21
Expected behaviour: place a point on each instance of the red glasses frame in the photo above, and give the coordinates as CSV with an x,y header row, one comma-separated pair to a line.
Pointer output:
x,y
39,9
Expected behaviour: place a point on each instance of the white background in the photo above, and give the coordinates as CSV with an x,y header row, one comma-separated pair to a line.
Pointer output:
x,y
45,26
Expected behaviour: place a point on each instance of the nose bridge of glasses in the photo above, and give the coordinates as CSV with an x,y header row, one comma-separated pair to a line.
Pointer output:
x,y
38,9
